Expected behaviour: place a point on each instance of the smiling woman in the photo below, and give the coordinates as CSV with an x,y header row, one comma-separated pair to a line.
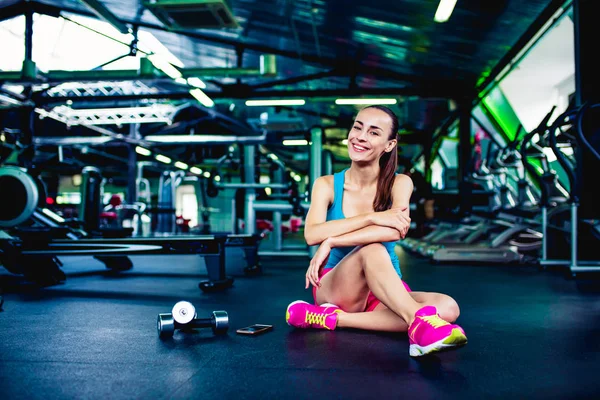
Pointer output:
x,y
356,217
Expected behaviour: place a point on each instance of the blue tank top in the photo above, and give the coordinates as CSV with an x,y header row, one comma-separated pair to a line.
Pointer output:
x,y
335,212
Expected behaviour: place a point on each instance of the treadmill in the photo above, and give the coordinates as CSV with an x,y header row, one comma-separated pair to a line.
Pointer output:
x,y
517,231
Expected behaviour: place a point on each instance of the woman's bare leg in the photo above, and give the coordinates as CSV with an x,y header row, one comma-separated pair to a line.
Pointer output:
x,y
367,268
384,319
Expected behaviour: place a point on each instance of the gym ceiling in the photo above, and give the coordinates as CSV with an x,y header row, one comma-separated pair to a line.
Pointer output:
x,y
314,50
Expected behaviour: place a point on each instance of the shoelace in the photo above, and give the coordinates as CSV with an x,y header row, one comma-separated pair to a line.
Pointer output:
x,y
435,321
316,318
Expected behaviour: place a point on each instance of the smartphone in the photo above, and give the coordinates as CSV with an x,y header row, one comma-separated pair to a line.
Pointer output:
x,y
255,329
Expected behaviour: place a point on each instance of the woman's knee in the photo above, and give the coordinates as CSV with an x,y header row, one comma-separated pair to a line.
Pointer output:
x,y
447,308
366,251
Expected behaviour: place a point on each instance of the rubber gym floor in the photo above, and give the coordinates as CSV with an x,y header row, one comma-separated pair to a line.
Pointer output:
x,y
532,335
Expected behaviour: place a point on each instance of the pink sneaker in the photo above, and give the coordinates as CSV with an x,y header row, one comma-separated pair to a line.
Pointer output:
x,y
429,333
301,314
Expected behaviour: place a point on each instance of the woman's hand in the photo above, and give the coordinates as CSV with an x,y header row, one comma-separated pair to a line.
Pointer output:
x,y
393,218
317,262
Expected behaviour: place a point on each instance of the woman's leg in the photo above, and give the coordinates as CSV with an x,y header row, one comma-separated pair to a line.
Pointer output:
x,y
367,268
384,319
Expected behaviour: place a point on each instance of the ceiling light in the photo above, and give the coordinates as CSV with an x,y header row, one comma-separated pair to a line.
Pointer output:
x,y
196,82
196,170
202,97
163,159
212,139
165,66
444,10
365,101
254,103
181,165
207,174
295,142
143,151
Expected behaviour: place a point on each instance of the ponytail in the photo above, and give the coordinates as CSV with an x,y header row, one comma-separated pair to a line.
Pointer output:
x,y
388,164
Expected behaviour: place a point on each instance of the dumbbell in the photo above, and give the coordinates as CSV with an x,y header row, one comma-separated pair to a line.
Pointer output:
x,y
183,316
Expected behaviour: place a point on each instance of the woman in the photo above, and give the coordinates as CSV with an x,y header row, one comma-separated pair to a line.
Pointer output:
x,y
357,216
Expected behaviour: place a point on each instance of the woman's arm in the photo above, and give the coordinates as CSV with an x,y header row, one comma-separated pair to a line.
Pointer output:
x,y
400,210
316,226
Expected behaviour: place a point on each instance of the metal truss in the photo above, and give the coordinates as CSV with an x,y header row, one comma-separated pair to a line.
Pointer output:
x,y
111,116
100,89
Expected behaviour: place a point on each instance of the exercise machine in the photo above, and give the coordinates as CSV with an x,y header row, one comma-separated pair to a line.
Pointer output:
x,y
33,251
579,233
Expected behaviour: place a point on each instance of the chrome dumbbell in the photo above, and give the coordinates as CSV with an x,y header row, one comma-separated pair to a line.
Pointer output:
x,y
183,316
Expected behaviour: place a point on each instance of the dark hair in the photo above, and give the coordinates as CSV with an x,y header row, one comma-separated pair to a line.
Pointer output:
x,y
388,164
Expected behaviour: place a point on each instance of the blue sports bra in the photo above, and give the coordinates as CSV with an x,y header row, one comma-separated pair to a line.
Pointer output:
x,y
335,212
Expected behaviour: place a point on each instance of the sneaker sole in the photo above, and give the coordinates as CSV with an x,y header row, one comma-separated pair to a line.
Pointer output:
x,y
287,311
456,339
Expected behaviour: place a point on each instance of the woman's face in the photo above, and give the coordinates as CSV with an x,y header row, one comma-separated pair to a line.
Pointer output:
x,y
368,137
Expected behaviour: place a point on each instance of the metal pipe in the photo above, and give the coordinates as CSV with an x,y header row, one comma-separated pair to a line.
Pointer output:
x,y
250,197
277,206
574,227
316,136
544,234
286,253
277,235
241,185
316,148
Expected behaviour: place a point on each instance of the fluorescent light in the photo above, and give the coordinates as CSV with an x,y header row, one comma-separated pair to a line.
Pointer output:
x,y
181,165
202,97
365,101
297,178
196,170
444,10
345,142
254,103
207,174
148,43
10,100
209,139
197,82
142,151
165,66
295,142
181,81
273,157
71,140
163,159
217,178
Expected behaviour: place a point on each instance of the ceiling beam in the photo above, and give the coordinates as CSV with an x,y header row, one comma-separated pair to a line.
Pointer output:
x,y
296,79
231,93
330,62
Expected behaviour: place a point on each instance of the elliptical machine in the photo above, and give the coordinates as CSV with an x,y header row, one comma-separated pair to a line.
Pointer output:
x,y
577,231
